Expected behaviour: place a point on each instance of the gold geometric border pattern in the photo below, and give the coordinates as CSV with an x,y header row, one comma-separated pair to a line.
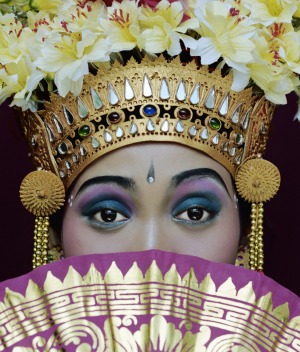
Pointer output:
x,y
63,309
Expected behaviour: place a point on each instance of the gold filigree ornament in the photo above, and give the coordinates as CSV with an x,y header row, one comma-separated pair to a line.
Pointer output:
x,y
257,181
42,193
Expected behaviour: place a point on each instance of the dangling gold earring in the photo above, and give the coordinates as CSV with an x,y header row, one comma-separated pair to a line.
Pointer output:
x,y
257,181
42,193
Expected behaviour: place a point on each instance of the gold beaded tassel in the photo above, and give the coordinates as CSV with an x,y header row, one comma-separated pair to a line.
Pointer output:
x,y
40,244
256,261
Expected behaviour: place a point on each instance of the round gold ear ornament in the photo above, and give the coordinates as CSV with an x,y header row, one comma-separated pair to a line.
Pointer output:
x,y
257,180
42,193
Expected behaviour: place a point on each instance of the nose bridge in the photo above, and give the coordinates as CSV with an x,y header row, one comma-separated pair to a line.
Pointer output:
x,y
152,236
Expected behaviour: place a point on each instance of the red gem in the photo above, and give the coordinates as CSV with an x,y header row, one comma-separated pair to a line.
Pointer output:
x,y
184,114
114,117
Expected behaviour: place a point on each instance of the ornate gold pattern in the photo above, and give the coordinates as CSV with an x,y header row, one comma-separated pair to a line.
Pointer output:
x,y
191,106
257,180
40,247
42,193
144,312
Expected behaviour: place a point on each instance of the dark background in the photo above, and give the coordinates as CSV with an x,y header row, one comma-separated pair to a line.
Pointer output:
x,y
282,214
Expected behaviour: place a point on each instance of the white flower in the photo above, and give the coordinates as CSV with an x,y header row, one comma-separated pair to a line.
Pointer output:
x,y
165,27
121,26
267,12
224,35
68,57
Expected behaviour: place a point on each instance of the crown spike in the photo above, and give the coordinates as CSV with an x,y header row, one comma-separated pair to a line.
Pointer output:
x,y
97,102
235,118
210,100
112,95
181,92
129,93
147,89
68,116
164,90
195,96
50,133
82,109
57,123
224,106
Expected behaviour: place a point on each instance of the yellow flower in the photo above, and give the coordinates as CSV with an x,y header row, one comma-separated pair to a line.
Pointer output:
x,y
163,28
122,27
224,35
51,6
269,11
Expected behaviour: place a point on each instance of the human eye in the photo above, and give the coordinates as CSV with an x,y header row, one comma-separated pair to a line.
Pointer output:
x,y
106,214
196,211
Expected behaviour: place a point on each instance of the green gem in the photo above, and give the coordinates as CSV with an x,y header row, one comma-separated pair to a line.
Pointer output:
x,y
84,131
215,123
239,139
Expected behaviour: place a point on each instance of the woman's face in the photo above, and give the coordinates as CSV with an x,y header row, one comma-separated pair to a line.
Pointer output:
x,y
153,196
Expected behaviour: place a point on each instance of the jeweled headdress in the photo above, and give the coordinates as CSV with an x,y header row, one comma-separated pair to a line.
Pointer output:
x,y
92,78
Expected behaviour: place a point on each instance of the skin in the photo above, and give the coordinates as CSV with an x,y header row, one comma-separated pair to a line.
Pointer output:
x,y
188,209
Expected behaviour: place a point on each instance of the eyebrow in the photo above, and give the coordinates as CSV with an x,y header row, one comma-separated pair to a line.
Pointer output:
x,y
124,182
197,173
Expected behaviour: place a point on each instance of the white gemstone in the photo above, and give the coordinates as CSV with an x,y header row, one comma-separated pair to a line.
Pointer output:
x,y
164,90
150,179
204,134
50,133
210,100
108,137
216,139
192,131
68,116
129,93
181,92
74,157
236,115
232,151
62,174
224,106
133,128
119,132
95,142
97,102
263,128
225,146
82,150
195,96
82,109
68,165
150,126
112,95
58,124
179,127
246,119
147,90
238,159
165,126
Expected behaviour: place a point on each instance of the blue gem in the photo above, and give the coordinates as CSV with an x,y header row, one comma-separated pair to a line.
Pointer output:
x,y
150,110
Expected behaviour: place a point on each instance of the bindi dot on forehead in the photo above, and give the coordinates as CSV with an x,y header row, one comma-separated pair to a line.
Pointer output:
x,y
151,174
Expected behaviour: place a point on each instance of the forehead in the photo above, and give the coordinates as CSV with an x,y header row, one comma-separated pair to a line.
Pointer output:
x,y
135,161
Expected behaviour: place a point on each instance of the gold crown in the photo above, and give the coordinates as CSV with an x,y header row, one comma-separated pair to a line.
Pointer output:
x,y
149,101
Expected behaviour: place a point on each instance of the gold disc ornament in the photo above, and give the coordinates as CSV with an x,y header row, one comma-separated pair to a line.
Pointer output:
x,y
42,193
257,180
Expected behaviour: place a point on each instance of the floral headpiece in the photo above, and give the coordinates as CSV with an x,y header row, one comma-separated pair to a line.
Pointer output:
x,y
91,77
